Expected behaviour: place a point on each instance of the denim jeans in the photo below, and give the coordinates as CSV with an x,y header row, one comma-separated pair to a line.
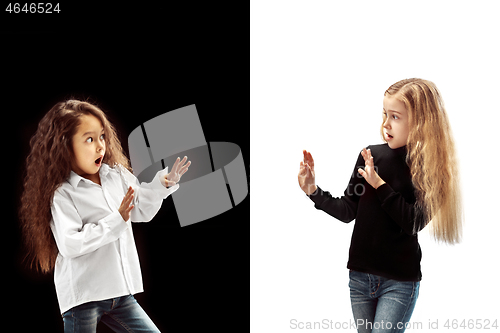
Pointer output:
x,y
379,304
121,314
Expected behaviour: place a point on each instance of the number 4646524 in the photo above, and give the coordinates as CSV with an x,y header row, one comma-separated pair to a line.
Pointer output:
x,y
40,7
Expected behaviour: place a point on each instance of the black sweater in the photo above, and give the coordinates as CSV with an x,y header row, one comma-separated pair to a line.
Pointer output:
x,y
384,240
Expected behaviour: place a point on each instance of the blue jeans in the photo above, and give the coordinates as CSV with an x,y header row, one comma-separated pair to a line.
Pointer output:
x,y
381,305
121,314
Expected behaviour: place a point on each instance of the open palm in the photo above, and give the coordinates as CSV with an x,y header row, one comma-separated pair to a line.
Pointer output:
x,y
179,168
369,172
306,174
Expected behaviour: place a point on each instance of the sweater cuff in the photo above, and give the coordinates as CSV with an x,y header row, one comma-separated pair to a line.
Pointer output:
x,y
316,196
384,191
314,193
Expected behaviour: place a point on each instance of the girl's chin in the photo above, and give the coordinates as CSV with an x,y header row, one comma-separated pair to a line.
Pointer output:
x,y
394,145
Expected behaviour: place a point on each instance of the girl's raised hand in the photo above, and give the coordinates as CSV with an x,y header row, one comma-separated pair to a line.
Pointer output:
x,y
370,175
126,207
177,171
306,174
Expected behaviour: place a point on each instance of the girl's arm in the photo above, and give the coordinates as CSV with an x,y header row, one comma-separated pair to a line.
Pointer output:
x,y
148,197
344,208
406,215
403,213
72,237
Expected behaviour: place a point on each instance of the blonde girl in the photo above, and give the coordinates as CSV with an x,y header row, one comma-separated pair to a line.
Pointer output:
x,y
78,202
396,189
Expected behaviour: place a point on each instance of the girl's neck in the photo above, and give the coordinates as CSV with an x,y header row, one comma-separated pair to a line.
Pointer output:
x,y
96,178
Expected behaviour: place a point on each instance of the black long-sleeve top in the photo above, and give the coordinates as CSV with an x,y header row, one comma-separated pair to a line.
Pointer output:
x,y
384,240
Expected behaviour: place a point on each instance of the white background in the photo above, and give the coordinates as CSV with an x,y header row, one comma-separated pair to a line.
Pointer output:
x,y
318,73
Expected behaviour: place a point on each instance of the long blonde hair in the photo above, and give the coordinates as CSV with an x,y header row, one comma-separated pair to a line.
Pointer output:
x,y
432,158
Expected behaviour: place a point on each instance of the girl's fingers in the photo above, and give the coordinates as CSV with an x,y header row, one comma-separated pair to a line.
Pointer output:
x,y
367,156
183,169
181,163
305,169
128,197
362,172
126,203
176,163
369,163
303,172
307,157
302,169
370,157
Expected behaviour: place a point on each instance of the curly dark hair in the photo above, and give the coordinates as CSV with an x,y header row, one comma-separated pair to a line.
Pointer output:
x,y
47,166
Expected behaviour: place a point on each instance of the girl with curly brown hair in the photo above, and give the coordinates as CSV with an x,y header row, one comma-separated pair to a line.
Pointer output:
x,y
77,206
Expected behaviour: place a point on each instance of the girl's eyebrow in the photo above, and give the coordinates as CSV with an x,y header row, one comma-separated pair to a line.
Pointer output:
x,y
394,111
91,132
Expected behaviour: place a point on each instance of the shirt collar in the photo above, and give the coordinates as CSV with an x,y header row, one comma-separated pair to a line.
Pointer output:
x,y
74,179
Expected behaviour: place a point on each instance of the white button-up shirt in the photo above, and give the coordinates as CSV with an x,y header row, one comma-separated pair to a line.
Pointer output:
x,y
97,257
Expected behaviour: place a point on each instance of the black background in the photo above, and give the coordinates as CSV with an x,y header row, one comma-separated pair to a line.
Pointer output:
x,y
135,61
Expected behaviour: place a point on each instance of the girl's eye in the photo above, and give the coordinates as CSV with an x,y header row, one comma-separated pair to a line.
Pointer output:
x,y
102,137
393,116
89,140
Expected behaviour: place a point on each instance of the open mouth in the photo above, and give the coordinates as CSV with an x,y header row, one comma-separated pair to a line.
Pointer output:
x,y
99,160
388,136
